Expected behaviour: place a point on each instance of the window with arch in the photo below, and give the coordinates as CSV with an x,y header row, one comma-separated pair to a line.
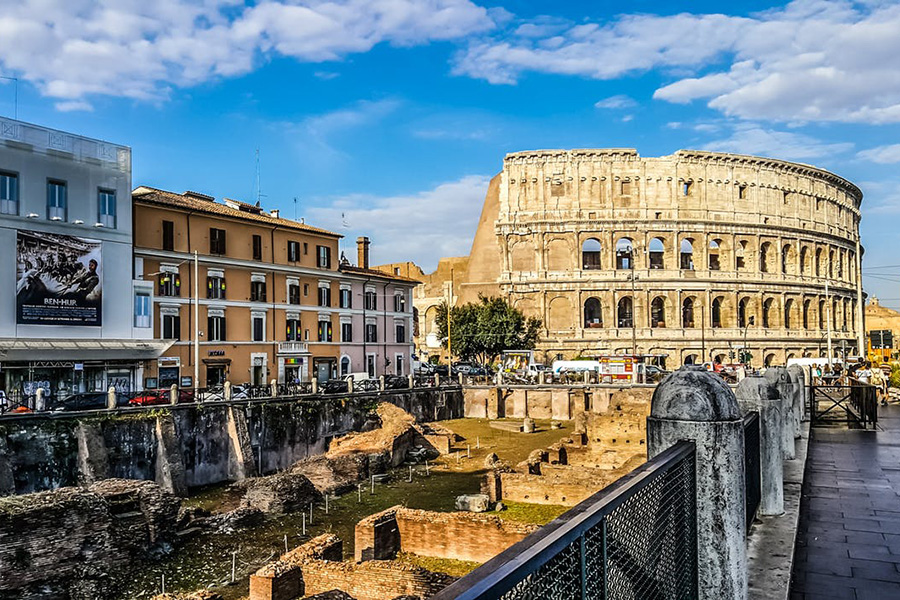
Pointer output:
x,y
818,265
767,313
831,264
345,366
742,312
788,307
658,312
624,254
687,313
770,360
834,315
804,257
785,259
716,313
687,254
593,314
840,266
740,252
625,312
806,305
764,252
821,314
657,250
844,314
714,264
590,254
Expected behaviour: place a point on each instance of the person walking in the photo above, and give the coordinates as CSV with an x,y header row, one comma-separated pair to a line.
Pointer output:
x,y
877,380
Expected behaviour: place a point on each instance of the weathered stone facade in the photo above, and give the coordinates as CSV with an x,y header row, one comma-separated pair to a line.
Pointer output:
x,y
668,255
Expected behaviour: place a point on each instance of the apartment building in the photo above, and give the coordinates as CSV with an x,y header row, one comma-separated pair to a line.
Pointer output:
x,y
72,317
272,300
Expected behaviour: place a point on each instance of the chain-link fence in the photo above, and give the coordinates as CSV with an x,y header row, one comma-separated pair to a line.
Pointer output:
x,y
636,539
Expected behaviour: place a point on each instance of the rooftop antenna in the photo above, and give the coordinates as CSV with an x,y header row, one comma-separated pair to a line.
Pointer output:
x,y
15,80
295,208
259,194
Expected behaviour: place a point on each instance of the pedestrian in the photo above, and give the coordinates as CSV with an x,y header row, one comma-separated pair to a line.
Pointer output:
x,y
877,379
864,373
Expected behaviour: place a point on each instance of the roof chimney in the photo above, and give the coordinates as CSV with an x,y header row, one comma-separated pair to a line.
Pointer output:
x,y
362,252
275,213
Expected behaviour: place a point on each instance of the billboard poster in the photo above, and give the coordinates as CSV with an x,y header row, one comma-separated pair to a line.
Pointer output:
x,y
58,279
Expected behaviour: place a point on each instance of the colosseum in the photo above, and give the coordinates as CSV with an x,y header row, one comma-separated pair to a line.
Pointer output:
x,y
693,256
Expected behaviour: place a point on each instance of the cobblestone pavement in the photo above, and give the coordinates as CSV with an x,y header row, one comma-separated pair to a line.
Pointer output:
x,y
848,544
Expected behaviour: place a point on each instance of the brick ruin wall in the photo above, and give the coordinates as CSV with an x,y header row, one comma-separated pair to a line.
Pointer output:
x,y
458,535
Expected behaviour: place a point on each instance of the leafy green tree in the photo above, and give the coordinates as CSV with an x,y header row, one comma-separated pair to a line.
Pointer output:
x,y
481,330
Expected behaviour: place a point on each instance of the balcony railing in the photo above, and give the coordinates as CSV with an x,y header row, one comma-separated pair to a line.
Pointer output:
x,y
293,347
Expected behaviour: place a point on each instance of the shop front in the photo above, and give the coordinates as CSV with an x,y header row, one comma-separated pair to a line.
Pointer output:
x,y
293,362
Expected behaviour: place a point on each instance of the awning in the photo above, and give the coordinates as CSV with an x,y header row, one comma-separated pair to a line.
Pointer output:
x,y
216,361
80,350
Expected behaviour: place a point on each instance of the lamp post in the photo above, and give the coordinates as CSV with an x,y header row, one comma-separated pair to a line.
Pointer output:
x,y
196,320
750,320
633,311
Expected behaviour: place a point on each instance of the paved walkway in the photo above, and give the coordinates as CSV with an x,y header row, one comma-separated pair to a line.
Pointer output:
x,y
848,544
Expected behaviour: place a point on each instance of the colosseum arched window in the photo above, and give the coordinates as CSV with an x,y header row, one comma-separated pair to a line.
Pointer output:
x,y
521,256
716,313
593,313
625,312
821,315
765,257
770,359
767,313
742,316
714,264
657,253
787,259
806,306
789,322
624,254
658,312
687,254
804,260
831,264
818,265
591,251
687,313
559,314
740,256
840,266
559,255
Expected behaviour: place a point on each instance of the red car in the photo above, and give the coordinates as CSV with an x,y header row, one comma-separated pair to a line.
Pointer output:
x,y
156,397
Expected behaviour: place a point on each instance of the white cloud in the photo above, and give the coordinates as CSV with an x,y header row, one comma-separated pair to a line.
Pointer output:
x,y
882,154
813,60
614,102
423,226
755,140
316,133
73,49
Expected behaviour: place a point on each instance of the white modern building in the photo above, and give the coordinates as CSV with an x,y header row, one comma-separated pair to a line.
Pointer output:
x,y
72,317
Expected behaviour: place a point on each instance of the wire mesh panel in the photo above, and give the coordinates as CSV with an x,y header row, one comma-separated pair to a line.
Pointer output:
x,y
752,484
634,540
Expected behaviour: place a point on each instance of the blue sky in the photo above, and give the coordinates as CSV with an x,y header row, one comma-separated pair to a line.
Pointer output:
x,y
388,117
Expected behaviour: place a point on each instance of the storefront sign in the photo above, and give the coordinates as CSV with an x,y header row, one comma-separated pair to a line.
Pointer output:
x,y
58,280
187,381
216,353
79,366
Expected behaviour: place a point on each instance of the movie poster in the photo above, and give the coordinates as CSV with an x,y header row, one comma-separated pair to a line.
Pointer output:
x,y
58,280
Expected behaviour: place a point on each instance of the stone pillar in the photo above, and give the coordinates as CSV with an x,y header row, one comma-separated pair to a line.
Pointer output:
x,y
461,378
40,403
173,394
693,404
798,378
111,398
240,453
755,393
411,379
227,392
778,377
273,388
314,386
437,380
381,383
93,459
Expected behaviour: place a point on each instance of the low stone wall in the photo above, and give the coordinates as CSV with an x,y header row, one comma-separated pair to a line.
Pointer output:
x,y
188,445
69,543
544,401
457,535
315,568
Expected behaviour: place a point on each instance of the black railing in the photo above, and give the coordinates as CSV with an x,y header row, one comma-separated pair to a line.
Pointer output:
x,y
752,483
856,404
636,538
366,385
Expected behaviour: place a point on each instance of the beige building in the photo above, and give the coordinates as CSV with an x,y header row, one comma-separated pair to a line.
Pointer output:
x,y
693,255
881,319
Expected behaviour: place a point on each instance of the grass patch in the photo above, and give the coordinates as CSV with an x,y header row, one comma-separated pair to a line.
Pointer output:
x,y
448,566
539,514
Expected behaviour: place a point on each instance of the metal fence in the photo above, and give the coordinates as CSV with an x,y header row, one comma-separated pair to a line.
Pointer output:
x,y
636,538
855,404
752,483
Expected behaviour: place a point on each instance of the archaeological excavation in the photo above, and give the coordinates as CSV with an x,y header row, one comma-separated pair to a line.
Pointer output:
x,y
390,496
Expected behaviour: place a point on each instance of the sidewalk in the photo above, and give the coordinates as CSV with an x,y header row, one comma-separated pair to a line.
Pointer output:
x,y
848,543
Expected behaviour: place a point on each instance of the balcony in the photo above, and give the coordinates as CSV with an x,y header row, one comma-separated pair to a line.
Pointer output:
x,y
293,347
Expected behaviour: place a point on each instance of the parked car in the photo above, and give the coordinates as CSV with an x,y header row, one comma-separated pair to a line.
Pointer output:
x,y
82,401
653,373
156,397
537,370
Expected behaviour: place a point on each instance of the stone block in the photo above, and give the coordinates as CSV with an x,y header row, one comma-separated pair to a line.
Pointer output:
x,y
473,503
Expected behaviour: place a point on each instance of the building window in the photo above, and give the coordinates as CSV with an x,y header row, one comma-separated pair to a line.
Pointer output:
x,y
716,313
346,332
739,251
625,313
168,235
624,254
257,291
56,200
590,254
142,309
9,194
593,315
371,333
687,255
687,313
398,364
626,188
215,328
259,328
325,331
346,298
169,284
215,287
324,295
370,365
686,188
714,264
171,327
324,257
345,366
216,241
106,202
371,300
293,251
742,192
257,247
658,312
766,313
400,331
657,253
293,293
399,303
292,332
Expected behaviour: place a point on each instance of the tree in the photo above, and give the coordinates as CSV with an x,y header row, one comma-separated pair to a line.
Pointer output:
x,y
481,330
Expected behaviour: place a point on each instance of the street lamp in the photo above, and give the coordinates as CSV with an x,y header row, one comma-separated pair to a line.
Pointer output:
x,y
750,321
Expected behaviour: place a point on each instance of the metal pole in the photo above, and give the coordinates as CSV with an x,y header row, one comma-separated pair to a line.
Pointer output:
x,y
860,303
703,331
828,324
633,311
449,346
196,321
